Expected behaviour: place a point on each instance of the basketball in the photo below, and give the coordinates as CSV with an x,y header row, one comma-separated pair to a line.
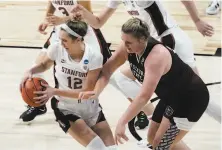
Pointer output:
x,y
27,92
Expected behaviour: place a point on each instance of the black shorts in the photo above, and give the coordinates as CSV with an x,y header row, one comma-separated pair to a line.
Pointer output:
x,y
185,110
64,120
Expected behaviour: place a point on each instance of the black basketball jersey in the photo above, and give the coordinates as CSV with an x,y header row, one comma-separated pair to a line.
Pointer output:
x,y
175,81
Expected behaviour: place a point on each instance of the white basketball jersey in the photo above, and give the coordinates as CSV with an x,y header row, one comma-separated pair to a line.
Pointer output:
x,y
152,12
71,75
65,7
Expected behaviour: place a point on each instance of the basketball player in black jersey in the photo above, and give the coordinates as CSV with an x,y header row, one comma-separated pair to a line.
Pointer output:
x,y
184,96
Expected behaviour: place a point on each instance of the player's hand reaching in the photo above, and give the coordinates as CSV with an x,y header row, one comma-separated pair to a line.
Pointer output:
x,y
120,133
27,76
87,95
78,12
55,20
42,27
204,28
44,96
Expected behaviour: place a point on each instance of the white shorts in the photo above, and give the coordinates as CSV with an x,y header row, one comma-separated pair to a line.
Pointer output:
x,y
66,111
86,109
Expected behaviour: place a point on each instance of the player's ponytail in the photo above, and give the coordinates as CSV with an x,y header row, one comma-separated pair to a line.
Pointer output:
x,y
137,28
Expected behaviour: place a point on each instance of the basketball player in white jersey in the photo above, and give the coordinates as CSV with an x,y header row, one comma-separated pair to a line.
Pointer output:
x,y
162,27
93,37
76,68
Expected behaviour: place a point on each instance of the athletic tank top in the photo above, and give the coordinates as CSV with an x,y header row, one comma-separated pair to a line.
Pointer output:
x,y
175,81
69,74
152,12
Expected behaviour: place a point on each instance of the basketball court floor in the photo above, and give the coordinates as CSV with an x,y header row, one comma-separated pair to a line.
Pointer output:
x,y
18,28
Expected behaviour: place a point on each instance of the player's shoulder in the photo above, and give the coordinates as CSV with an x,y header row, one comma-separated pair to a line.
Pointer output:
x,y
144,4
55,45
92,52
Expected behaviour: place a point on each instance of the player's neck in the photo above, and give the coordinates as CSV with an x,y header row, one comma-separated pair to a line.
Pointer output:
x,y
78,52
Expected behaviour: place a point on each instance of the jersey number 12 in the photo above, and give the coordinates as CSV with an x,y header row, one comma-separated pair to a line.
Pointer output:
x,y
77,83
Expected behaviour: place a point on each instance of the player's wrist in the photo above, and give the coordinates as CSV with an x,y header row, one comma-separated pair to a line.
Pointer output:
x,y
66,19
55,91
196,20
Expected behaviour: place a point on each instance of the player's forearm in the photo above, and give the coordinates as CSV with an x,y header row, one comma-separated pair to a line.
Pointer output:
x,y
39,68
66,93
91,19
50,9
191,8
134,108
66,19
101,83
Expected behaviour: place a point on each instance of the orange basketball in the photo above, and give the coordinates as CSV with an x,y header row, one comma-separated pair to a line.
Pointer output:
x,y
28,90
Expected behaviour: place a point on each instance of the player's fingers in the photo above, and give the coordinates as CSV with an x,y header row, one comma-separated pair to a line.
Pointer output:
x,y
209,33
119,140
80,95
44,84
39,92
209,27
125,137
39,99
49,14
42,101
20,88
115,139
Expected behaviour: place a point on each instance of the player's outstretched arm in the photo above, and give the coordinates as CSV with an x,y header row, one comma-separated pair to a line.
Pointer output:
x,y
44,24
203,27
95,21
114,62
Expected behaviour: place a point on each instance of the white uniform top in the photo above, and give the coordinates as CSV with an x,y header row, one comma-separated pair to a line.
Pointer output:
x,y
65,7
71,75
152,12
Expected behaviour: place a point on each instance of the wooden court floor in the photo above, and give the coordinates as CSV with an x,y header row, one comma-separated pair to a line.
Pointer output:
x,y
20,19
